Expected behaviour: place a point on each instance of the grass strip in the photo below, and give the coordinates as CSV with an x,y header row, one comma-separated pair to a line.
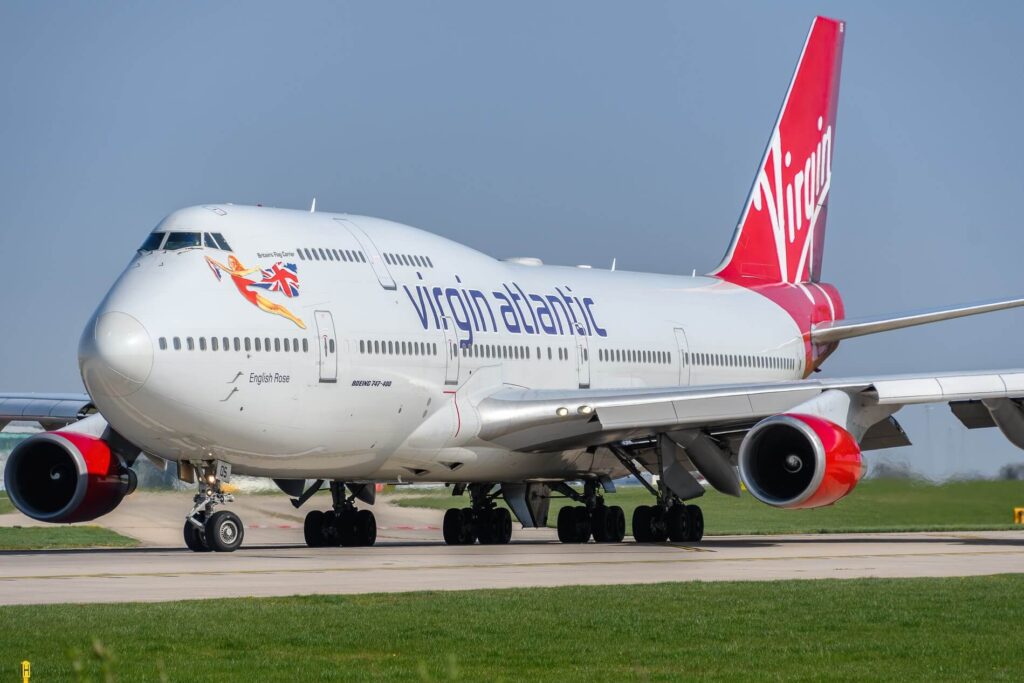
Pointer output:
x,y
54,537
870,629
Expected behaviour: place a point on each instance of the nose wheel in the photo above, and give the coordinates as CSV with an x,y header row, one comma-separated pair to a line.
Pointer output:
x,y
206,530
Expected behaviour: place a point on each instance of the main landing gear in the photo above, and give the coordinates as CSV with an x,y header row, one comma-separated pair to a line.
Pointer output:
x,y
483,521
206,530
674,521
343,525
670,519
578,523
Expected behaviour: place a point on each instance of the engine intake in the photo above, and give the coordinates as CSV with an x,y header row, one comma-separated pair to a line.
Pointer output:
x,y
66,477
799,461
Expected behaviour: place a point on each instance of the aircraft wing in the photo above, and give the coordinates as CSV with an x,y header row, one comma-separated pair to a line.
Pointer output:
x,y
49,410
837,330
538,421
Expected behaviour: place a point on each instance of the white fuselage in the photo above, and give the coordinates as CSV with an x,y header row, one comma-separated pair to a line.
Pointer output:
x,y
404,332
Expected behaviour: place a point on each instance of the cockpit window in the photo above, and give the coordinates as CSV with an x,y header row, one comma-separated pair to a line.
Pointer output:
x,y
221,241
215,240
182,240
152,242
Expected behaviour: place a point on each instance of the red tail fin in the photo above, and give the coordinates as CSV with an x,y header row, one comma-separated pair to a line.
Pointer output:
x,y
781,233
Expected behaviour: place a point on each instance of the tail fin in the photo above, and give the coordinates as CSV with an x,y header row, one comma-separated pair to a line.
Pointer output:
x,y
781,233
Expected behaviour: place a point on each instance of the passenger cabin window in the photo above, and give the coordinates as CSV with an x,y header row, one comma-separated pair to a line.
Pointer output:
x,y
181,240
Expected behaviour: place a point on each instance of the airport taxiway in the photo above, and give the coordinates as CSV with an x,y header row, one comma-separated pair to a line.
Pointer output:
x,y
410,556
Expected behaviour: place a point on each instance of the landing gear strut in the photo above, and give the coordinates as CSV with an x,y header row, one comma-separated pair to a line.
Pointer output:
x,y
484,521
206,530
342,525
577,523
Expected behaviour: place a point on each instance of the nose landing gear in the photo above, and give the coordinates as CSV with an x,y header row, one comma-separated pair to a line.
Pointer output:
x,y
206,530
344,525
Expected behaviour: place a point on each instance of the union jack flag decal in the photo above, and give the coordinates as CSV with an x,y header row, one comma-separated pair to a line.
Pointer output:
x,y
280,278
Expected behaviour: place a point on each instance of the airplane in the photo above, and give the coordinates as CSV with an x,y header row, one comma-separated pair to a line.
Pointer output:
x,y
316,348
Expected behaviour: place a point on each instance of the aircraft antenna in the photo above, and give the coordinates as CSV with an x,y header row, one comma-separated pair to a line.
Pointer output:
x,y
312,207
613,264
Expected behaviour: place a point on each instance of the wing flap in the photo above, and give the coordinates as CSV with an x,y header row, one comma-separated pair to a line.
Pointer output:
x,y
535,421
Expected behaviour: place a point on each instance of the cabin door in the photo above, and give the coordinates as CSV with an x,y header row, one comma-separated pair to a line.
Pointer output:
x,y
328,352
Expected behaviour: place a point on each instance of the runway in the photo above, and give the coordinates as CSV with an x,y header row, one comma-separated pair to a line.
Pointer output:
x,y
410,556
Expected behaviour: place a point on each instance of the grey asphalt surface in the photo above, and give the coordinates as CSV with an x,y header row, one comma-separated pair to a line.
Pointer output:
x,y
410,556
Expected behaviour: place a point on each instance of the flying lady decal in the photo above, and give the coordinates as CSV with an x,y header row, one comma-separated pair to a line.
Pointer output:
x,y
280,277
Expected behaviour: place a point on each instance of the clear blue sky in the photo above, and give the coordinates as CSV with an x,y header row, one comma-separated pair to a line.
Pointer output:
x,y
576,132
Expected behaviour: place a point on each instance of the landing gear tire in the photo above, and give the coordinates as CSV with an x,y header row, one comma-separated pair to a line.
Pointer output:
x,y
574,524
335,528
484,527
608,524
346,533
501,526
694,524
567,525
599,524
452,527
313,529
194,540
642,524
468,528
649,524
677,523
224,532
365,528
582,524
458,526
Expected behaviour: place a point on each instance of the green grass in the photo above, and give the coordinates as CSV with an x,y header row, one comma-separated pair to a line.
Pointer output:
x,y
906,629
876,505
5,504
49,537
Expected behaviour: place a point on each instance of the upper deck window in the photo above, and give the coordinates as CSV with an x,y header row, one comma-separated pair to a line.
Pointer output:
x,y
182,240
153,241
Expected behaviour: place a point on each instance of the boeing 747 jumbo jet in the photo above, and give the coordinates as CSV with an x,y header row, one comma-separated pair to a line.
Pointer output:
x,y
317,348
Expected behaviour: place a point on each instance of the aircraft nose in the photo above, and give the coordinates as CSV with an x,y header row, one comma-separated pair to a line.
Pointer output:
x,y
115,354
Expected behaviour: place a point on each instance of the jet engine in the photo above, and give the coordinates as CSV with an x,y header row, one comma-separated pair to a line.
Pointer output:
x,y
66,477
799,461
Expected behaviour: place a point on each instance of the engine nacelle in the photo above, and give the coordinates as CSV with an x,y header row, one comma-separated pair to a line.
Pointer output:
x,y
66,477
799,461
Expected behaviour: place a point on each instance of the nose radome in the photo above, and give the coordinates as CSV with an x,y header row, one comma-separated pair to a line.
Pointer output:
x,y
115,355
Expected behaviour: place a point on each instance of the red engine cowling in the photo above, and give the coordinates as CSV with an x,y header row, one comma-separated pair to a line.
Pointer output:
x,y
66,477
799,461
